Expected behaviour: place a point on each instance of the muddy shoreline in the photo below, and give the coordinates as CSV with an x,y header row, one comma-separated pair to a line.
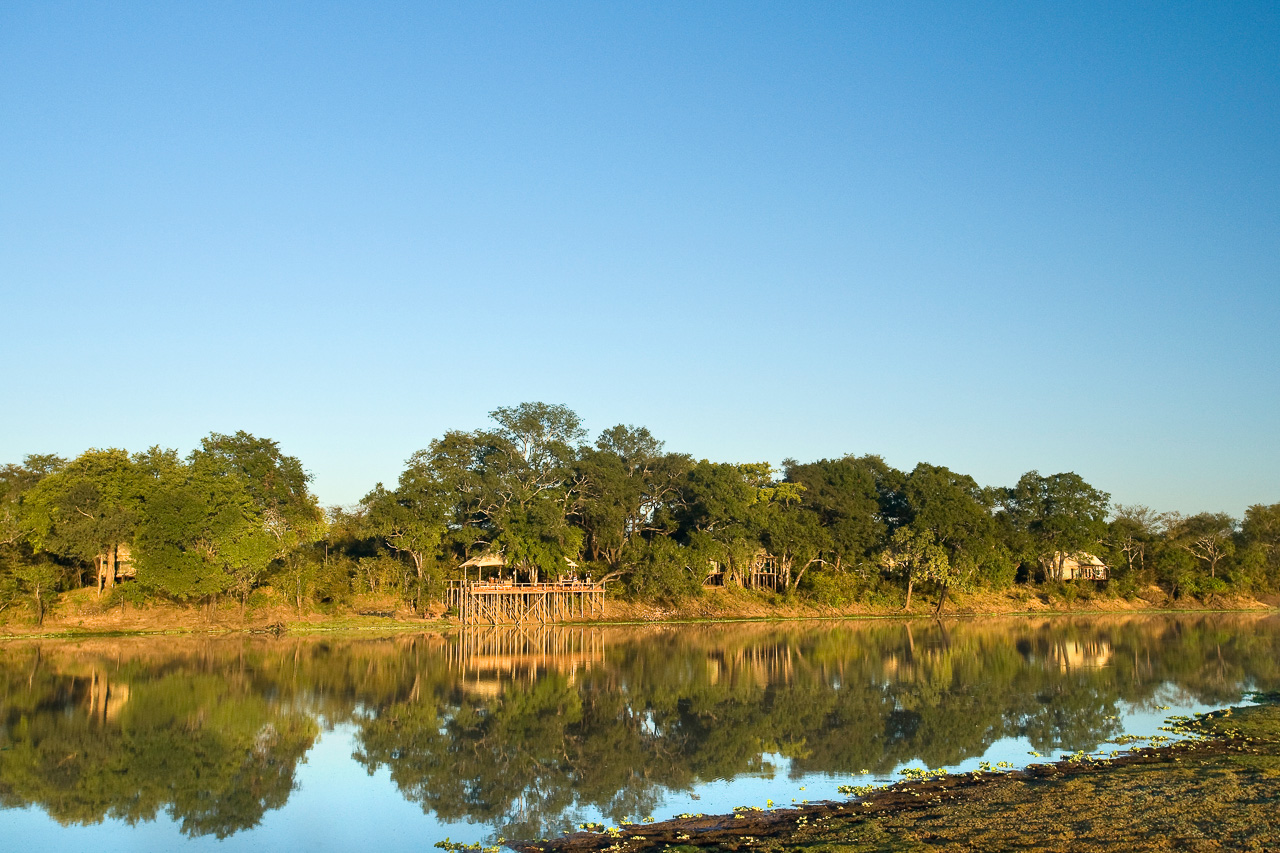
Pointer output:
x,y
1243,740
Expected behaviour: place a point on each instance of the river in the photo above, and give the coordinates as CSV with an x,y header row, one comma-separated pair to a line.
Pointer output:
x,y
364,743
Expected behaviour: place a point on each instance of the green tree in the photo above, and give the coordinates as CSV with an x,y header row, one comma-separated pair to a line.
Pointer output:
x,y
915,556
622,483
15,482
275,482
279,487
39,581
203,534
20,563
793,533
660,569
1260,537
958,513
1207,536
411,520
845,496
1131,534
1055,517
87,509
528,466
719,510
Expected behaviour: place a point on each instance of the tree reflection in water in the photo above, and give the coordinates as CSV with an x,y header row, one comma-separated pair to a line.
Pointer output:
x,y
525,731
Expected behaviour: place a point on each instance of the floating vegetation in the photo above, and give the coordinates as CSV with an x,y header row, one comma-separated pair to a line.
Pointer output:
x,y
988,767
477,847
913,774
856,790
1125,740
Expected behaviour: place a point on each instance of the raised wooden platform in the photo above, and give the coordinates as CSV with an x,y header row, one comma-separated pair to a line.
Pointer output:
x,y
506,603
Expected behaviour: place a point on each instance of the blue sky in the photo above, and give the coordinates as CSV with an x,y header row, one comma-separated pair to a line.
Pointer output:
x,y
995,237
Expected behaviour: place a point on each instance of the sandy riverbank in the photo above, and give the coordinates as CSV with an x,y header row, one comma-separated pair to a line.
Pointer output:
x,y
81,613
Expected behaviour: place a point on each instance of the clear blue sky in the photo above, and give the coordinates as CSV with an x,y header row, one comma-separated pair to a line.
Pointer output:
x,y
994,237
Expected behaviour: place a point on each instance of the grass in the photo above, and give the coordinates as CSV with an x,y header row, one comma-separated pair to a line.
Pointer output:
x,y
1221,792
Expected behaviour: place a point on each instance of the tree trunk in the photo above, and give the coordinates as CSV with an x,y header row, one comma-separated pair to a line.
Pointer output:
x,y
111,567
417,592
101,562
801,574
910,583
941,599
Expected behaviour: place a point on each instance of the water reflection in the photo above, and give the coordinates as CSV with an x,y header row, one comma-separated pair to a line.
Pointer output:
x,y
525,732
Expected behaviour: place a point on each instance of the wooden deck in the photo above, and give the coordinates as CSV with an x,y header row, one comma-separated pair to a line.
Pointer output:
x,y
506,603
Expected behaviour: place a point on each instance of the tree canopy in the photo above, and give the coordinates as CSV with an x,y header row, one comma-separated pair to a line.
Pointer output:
x,y
236,518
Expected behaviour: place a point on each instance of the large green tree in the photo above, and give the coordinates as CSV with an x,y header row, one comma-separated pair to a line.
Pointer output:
x,y
845,496
1055,517
1207,536
1260,542
622,482
720,509
203,534
511,489
87,509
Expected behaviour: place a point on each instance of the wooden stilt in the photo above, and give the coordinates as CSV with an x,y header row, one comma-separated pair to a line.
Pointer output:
x,y
479,603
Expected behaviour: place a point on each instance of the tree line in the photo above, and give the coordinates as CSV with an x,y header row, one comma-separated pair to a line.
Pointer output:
x,y
235,520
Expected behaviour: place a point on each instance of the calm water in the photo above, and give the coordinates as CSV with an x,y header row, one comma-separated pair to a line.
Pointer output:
x,y
393,744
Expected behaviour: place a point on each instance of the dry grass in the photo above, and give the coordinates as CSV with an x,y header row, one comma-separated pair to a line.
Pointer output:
x,y
82,612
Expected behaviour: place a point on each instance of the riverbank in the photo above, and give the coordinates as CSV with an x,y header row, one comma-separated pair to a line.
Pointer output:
x,y
1220,792
82,614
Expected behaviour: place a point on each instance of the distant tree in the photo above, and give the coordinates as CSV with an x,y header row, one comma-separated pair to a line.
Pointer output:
x,y
26,575
844,495
915,556
792,532
412,519
720,510
15,482
511,488
955,510
660,569
1131,533
203,534
1208,536
275,482
279,488
1260,541
87,509
621,484
39,581
1056,516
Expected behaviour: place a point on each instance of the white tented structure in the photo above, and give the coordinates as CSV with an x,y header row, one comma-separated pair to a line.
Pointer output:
x,y
1081,566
